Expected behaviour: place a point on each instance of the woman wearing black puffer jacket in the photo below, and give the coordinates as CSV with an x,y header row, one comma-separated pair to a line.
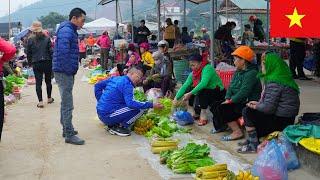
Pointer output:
x,y
39,54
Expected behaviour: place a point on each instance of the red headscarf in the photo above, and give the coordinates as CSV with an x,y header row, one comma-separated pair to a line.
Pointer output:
x,y
196,74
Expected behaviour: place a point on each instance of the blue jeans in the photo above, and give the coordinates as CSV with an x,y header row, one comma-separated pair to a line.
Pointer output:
x,y
123,116
65,84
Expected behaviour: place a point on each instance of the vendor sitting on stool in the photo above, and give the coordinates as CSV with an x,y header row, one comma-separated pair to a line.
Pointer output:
x,y
204,84
146,57
161,73
245,86
278,106
116,106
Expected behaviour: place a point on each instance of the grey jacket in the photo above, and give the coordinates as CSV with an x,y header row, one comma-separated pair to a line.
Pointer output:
x,y
280,100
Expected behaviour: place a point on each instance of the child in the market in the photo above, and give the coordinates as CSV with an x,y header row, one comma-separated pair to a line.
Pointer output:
x,y
116,105
146,57
134,57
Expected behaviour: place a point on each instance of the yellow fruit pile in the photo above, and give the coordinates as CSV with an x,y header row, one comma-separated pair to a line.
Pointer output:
x,y
98,78
214,172
160,145
142,126
246,175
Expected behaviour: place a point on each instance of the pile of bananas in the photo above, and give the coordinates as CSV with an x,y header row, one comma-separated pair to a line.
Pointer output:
x,y
246,175
142,126
214,172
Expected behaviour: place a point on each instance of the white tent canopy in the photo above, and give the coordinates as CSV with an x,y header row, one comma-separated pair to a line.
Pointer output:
x,y
100,25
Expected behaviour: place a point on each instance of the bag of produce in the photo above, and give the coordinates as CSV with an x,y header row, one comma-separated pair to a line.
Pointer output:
x,y
289,153
270,163
183,118
154,94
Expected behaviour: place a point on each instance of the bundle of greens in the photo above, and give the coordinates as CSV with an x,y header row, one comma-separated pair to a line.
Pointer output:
x,y
11,81
165,128
188,159
167,104
139,96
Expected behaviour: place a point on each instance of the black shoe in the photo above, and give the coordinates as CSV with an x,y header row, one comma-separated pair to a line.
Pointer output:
x,y
74,133
74,140
120,131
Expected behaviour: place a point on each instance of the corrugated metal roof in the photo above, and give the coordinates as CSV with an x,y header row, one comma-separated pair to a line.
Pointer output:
x,y
103,2
250,4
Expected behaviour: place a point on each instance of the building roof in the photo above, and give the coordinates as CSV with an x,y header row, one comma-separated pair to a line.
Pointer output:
x,y
4,27
103,2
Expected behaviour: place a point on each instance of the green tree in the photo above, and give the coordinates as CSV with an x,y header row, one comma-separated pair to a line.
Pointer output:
x,y
52,19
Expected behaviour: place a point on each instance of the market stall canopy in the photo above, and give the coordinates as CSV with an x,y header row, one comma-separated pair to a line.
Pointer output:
x,y
241,7
104,2
101,24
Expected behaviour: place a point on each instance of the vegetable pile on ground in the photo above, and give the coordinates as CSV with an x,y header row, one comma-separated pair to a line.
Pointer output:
x,y
97,78
165,128
161,144
143,125
139,96
187,159
13,82
218,171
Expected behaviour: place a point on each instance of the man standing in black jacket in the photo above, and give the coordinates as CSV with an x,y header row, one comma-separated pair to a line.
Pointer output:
x,y
142,33
257,28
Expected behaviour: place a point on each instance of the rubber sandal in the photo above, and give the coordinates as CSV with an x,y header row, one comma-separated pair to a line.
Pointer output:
x,y
247,149
202,122
229,138
50,102
40,106
214,131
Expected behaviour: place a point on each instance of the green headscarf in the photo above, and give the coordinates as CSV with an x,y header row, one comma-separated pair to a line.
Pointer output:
x,y
277,70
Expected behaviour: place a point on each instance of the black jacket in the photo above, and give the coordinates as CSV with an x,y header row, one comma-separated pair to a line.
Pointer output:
x,y
141,38
224,34
258,30
39,50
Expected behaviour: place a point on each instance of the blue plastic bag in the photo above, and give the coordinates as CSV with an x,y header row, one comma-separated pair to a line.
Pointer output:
x,y
183,118
270,163
289,153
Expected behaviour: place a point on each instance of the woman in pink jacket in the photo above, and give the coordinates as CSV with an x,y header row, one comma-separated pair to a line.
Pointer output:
x,y
105,45
7,51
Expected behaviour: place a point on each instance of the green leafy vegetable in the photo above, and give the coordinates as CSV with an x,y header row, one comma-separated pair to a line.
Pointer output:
x,y
11,81
189,158
139,96
167,103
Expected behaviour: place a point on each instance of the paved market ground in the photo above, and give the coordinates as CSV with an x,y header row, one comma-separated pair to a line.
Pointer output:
x,y
32,146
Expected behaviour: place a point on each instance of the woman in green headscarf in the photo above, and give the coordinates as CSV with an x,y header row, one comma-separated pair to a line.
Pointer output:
x,y
278,106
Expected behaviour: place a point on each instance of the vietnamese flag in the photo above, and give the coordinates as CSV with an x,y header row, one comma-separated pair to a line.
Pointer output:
x,y
295,18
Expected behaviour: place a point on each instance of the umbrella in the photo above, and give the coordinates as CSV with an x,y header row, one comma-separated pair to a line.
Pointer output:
x,y
21,35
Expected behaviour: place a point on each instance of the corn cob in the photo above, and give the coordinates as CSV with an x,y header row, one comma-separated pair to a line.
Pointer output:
x,y
164,143
157,150
217,167
215,174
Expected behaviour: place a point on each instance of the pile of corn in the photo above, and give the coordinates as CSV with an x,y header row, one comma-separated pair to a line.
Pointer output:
x,y
142,126
214,172
98,78
246,175
160,145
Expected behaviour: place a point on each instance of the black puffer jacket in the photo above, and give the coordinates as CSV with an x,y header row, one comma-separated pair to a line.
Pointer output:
x,y
280,100
39,49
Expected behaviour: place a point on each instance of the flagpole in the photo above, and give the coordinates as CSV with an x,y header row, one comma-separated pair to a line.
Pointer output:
x,y
9,32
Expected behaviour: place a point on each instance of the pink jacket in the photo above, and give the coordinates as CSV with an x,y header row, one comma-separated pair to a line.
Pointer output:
x,y
134,59
82,46
8,51
104,42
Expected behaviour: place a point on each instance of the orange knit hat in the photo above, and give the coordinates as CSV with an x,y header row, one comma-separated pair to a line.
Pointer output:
x,y
244,52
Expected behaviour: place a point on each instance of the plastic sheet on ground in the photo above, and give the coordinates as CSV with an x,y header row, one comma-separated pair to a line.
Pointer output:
x,y
220,156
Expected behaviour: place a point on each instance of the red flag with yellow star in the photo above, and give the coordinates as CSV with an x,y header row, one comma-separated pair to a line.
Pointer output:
x,y
295,18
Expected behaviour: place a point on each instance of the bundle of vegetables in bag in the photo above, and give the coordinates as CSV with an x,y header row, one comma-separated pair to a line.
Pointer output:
x,y
189,158
167,104
159,145
139,95
165,128
97,78
218,171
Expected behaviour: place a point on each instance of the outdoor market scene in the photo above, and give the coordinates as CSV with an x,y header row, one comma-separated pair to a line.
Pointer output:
x,y
159,89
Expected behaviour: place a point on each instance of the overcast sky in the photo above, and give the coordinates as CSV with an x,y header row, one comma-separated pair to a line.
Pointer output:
x,y
4,8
